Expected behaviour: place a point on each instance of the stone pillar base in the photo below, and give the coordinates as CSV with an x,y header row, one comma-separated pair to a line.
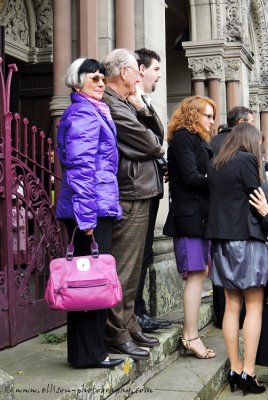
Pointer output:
x,y
163,290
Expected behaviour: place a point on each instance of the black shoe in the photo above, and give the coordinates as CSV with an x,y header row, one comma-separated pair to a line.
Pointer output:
x,y
144,341
110,362
233,379
130,349
164,323
147,325
248,383
161,323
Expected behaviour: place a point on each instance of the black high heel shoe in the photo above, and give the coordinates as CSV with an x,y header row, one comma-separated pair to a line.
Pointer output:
x,y
249,383
233,379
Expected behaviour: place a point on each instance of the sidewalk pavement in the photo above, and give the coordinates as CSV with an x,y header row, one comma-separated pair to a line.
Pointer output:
x,y
41,372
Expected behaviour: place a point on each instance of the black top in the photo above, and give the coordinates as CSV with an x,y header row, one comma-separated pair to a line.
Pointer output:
x,y
218,140
231,217
188,156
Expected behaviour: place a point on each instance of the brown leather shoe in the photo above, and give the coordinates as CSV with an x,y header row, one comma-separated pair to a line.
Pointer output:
x,y
130,349
144,341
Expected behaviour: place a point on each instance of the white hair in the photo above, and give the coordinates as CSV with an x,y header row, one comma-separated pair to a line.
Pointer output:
x,y
71,78
117,59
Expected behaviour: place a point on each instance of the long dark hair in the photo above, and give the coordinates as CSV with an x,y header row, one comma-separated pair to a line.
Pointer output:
x,y
244,137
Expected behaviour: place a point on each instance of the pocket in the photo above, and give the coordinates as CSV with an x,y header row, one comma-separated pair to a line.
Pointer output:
x,y
126,206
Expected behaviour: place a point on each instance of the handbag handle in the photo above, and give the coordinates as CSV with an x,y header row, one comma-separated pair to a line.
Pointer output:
x,y
93,246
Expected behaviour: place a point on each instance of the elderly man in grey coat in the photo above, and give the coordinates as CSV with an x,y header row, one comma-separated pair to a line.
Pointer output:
x,y
138,183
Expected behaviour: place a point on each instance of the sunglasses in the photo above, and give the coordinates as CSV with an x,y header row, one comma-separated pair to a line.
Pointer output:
x,y
97,78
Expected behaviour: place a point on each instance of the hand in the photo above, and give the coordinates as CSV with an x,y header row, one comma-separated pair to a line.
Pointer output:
x,y
136,101
258,200
165,172
88,232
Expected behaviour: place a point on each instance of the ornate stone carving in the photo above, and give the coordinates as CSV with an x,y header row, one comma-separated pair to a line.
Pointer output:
x,y
209,67
232,69
233,30
16,22
219,22
2,5
44,33
254,102
197,67
263,103
258,14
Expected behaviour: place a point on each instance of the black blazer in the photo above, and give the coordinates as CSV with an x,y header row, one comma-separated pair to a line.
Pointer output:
x,y
218,140
231,217
188,156
154,123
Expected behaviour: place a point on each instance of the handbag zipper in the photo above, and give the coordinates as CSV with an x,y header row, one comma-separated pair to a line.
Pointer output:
x,y
85,284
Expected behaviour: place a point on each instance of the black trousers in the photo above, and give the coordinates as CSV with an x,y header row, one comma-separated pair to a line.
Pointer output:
x,y
140,307
86,330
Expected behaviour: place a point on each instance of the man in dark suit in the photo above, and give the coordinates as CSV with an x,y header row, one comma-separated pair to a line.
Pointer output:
x,y
149,66
235,116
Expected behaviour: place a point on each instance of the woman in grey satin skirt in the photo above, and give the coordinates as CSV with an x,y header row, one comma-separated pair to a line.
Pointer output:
x,y
258,200
239,251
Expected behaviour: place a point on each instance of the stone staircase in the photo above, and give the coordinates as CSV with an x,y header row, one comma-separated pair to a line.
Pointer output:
x,y
37,370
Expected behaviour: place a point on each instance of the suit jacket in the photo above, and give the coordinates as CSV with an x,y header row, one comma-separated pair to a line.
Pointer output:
x,y
154,123
218,140
230,215
188,157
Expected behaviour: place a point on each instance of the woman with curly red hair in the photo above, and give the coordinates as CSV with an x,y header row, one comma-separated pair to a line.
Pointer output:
x,y
189,131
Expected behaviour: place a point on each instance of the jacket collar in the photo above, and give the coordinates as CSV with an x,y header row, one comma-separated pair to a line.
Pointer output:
x,y
111,92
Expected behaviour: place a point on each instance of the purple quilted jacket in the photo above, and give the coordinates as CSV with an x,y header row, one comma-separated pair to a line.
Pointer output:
x,y
87,150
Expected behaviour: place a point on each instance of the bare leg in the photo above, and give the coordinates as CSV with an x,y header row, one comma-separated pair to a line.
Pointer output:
x,y
191,304
230,327
252,327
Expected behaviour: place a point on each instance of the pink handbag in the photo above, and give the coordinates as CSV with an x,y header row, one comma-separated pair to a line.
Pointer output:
x,y
83,283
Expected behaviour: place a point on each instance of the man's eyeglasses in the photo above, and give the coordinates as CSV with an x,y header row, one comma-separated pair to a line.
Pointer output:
x,y
97,78
136,70
209,116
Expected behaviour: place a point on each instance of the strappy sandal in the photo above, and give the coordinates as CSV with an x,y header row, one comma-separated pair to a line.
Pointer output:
x,y
185,344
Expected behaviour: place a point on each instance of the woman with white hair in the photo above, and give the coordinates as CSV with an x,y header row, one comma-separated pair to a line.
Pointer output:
x,y
87,150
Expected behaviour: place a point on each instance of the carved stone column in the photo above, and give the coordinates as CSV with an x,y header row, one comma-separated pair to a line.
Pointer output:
x,y
254,103
264,121
62,52
214,94
199,88
125,24
232,69
210,69
89,27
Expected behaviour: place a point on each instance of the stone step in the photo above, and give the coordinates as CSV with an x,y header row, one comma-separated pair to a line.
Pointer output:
x,y
41,372
189,378
6,386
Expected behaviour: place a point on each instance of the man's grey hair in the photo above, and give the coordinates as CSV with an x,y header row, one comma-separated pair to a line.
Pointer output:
x,y
237,113
117,59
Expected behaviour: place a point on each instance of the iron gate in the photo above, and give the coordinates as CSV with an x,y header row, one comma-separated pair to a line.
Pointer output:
x,y
29,233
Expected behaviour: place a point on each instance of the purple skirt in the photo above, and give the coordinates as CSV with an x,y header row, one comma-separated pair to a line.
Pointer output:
x,y
192,254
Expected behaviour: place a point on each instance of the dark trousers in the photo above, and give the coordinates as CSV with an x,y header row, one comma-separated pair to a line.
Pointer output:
x,y
86,330
140,307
